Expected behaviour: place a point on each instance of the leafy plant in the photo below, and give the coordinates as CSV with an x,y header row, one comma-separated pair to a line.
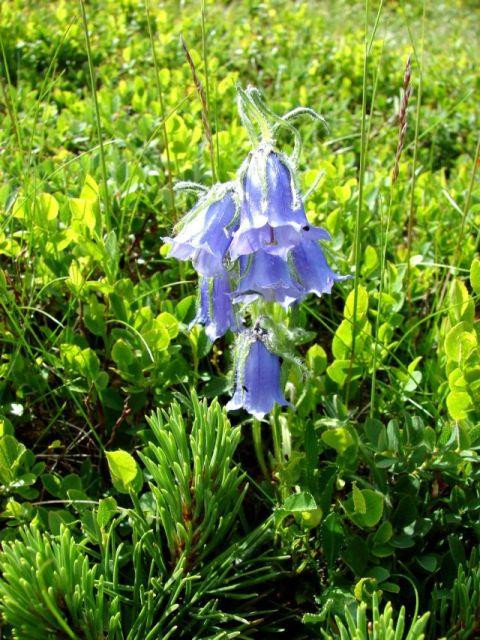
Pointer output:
x,y
456,609
167,566
379,625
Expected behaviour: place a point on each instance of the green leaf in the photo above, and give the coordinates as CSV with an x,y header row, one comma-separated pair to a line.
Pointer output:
x,y
342,340
123,469
338,438
373,508
362,304
122,354
90,189
383,533
48,206
370,260
170,323
475,275
359,501
459,404
332,538
460,341
107,508
185,309
461,305
299,502
11,452
339,369
428,562
316,359
83,211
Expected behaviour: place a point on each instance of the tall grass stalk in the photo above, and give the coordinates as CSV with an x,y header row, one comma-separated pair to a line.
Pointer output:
x,y
411,212
207,90
384,230
97,116
7,97
205,113
361,180
457,255
162,112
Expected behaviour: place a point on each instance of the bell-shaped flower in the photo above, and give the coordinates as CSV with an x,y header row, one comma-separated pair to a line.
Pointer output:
x,y
272,215
266,276
257,378
215,309
206,231
310,268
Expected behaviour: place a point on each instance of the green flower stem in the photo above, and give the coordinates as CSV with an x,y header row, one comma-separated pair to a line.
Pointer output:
x,y
257,445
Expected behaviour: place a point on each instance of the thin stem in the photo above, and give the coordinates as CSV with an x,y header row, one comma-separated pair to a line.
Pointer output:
x,y
9,103
383,254
162,112
258,448
411,214
97,115
207,86
458,249
203,100
357,243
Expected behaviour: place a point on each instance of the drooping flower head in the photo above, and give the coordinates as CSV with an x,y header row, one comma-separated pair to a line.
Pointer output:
x,y
263,275
205,233
252,244
215,309
310,268
274,279
271,213
257,376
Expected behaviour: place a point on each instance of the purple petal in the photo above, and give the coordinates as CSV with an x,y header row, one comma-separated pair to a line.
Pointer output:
x,y
268,276
258,382
215,310
272,214
311,268
206,236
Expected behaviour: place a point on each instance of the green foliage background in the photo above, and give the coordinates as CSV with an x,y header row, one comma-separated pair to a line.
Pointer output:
x,y
373,480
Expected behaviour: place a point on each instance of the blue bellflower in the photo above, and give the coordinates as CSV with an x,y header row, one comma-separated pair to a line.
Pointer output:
x,y
311,269
215,309
272,215
206,232
266,276
257,381
287,281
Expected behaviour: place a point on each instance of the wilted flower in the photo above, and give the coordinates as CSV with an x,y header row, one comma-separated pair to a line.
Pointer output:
x,y
257,377
267,276
215,310
206,231
272,215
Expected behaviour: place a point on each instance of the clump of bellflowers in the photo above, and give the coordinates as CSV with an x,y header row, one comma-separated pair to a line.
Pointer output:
x,y
252,245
